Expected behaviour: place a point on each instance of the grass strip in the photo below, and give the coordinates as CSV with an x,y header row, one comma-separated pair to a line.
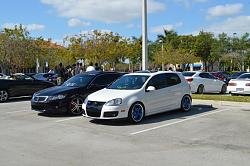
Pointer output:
x,y
219,97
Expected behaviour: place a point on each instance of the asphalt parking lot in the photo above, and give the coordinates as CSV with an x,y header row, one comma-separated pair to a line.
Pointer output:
x,y
208,135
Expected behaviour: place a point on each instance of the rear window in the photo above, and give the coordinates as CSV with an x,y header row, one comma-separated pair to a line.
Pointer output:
x,y
188,74
244,76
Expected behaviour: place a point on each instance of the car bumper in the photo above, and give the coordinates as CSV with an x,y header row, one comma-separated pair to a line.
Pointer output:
x,y
53,107
106,112
236,90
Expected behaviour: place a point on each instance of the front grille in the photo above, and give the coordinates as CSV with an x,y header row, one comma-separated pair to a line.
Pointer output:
x,y
93,108
40,98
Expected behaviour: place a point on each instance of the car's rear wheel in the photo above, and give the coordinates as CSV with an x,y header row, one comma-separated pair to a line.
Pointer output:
x,y
224,89
3,95
136,113
200,89
186,103
75,106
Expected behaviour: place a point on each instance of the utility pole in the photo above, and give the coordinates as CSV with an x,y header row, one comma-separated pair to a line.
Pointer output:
x,y
144,36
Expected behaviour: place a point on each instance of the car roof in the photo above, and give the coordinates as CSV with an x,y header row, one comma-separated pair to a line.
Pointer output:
x,y
151,74
95,73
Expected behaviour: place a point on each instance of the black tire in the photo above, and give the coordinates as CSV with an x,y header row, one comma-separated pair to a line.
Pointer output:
x,y
186,103
224,89
136,113
4,95
75,106
200,89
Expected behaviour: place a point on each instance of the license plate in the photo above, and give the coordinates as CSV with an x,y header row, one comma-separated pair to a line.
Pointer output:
x,y
239,89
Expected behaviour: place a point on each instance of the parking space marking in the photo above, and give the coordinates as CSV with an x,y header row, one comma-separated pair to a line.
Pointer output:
x,y
180,121
67,119
13,112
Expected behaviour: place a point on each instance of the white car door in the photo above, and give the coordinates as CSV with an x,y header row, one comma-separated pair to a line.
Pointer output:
x,y
207,82
163,98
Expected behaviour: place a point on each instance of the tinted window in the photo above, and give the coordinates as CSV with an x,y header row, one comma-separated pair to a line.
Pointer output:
x,y
204,75
129,82
159,81
79,80
244,76
173,79
105,79
188,74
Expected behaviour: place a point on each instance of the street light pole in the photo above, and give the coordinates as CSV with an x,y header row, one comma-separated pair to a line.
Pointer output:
x,y
144,36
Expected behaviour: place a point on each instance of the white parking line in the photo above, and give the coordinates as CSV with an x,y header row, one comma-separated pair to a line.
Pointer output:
x,y
13,112
67,119
180,121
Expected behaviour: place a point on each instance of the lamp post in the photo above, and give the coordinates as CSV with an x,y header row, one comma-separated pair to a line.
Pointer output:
x,y
162,64
144,36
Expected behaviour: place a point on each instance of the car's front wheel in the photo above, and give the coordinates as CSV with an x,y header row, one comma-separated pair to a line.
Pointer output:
x,y
200,89
75,106
3,95
136,113
186,103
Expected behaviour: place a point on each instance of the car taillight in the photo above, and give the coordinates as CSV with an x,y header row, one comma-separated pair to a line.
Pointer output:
x,y
189,79
232,84
247,84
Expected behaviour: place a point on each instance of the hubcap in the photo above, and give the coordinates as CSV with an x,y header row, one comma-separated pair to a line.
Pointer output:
x,y
3,95
186,103
137,112
76,106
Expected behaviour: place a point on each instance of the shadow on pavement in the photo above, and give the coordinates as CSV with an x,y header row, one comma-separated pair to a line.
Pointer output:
x,y
18,99
175,114
56,115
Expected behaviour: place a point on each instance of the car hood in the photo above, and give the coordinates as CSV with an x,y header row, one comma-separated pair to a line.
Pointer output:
x,y
56,90
105,95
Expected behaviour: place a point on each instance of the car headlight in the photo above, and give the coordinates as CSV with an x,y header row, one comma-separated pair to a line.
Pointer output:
x,y
58,97
114,102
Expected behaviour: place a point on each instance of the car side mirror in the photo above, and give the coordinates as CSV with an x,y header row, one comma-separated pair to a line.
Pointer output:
x,y
150,88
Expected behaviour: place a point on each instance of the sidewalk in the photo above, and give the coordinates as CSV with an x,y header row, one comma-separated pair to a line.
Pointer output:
x,y
221,103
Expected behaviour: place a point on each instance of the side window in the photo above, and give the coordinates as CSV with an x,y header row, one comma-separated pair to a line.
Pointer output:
x,y
173,79
105,79
204,75
158,81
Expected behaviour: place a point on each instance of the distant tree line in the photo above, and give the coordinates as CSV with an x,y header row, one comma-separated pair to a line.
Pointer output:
x,y
18,50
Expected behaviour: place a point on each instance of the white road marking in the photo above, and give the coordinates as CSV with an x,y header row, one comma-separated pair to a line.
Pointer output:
x,y
180,121
13,112
67,119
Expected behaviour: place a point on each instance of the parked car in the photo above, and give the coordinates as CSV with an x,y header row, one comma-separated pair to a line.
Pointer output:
x,y
136,95
51,77
20,85
221,76
68,97
236,75
240,85
203,82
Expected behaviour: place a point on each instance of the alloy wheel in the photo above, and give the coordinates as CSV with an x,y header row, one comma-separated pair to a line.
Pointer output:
x,y
76,106
186,103
137,113
3,95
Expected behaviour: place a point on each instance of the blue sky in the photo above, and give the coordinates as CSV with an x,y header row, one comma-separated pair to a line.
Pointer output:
x,y
58,18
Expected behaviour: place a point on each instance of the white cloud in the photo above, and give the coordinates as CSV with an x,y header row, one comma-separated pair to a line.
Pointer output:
x,y
225,10
29,27
160,29
239,24
74,22
108,11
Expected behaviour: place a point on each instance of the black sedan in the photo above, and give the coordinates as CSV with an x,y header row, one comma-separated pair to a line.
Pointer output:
x,y
20,85
69,97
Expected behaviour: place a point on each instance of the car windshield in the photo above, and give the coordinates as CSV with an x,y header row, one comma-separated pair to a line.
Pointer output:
x,y
79,80
37,76
244,76
129,82
188,74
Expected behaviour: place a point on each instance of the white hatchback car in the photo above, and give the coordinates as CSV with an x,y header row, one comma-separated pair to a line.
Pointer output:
x,y
241,85
136,95
203,82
